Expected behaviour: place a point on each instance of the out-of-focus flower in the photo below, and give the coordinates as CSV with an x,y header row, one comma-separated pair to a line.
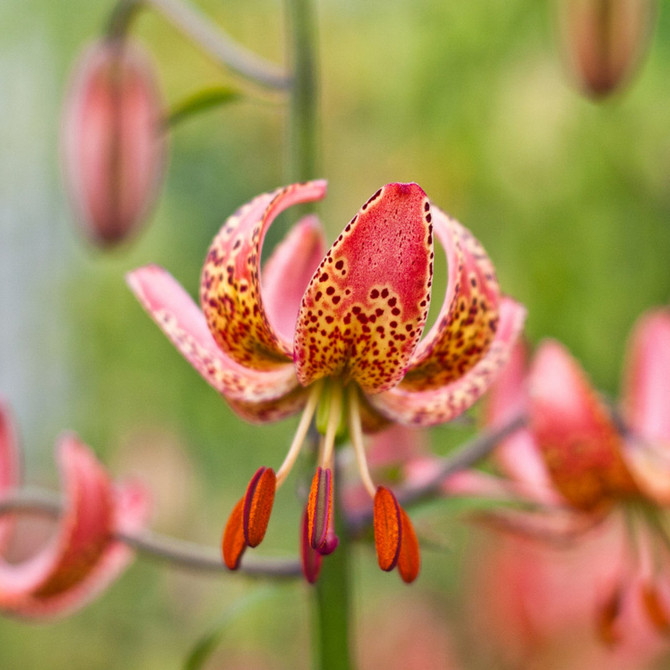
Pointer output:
x,y
604,41
82,557
579,468
114,148
338,336
533,606
416,637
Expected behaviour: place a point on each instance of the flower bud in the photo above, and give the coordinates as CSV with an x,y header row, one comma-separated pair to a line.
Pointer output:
x,y
604,41
114,148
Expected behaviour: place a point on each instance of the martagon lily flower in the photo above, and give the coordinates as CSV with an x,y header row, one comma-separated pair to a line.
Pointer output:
x,y
580,466
82,557
338,337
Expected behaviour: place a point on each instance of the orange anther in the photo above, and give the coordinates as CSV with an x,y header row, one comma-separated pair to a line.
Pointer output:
x,y
258,501
233,543
388,528
657,611
608,618
319,508
311,559
409,560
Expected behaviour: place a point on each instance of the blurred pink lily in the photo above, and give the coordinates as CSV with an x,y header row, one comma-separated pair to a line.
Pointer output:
x,y
340,333
82,557
579,467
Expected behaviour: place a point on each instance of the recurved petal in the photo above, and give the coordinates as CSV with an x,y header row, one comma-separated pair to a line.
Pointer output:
x,y
649,464
366,305
574,432
468,319
82,557
268,411
517,455
287,272
646,383
435,406
255,392
230,288
131,510
10,466
558,526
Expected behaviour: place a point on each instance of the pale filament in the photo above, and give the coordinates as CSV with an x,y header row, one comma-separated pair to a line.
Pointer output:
x,y
334,418
300,433
356,436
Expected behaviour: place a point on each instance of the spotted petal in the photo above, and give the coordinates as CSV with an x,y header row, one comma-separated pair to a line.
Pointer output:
x,y
435,406
366,305
82,557
255,394
574,432
468,319
230,291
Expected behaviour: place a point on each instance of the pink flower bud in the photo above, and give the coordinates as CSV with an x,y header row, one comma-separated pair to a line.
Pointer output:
x,y
114,148
603,41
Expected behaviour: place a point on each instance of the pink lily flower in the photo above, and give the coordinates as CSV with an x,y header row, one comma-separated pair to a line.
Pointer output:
x,y
541,602
338,336
580,468
82,557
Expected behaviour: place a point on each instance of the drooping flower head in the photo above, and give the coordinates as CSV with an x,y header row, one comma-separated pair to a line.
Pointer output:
x,y
338,336
83,556
583,466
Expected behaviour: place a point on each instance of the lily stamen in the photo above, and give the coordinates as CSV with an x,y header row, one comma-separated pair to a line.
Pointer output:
x,y
356,436
334,419
300,433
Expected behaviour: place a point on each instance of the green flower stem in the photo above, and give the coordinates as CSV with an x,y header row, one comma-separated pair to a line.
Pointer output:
x,y
209,37
331,615
303,117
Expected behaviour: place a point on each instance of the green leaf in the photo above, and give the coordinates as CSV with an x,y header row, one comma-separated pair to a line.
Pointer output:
x,y
206,645
201,102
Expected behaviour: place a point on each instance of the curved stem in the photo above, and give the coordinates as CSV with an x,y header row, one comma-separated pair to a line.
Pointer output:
x,y
205,34
175,551
468,455
303,117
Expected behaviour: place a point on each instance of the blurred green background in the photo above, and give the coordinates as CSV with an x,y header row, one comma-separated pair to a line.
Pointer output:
x,y
470,100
